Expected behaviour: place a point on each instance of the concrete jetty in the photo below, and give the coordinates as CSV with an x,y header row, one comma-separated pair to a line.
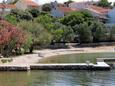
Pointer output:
x,y
14,67
77,66
101,65
69,66
105,59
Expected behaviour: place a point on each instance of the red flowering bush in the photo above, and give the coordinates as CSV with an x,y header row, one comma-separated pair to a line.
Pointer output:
x,y
11,38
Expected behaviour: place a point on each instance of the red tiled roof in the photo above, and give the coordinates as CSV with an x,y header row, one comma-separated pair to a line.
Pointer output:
x,y
31,3
67,9
98,9
7,6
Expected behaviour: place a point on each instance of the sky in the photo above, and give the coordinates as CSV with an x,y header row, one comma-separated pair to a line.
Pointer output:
x,y
61,1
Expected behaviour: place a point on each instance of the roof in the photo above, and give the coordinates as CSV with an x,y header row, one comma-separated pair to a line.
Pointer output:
x,y
31,3
90,6
98,9
67,9
7,6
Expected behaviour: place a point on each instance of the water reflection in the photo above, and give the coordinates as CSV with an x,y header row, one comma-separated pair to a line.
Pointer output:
x,y
58,78
13,79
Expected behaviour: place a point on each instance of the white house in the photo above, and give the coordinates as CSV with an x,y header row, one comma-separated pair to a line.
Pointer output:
x,y
96,11
25,4
6,8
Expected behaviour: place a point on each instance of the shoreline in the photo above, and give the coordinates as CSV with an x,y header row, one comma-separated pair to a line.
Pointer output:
x,y
42,54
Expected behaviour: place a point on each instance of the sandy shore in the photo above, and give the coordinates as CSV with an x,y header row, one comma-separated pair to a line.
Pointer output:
x,y
40,54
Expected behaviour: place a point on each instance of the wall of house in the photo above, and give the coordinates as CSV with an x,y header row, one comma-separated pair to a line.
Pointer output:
x,y
57,13
21,5
111,16
78,5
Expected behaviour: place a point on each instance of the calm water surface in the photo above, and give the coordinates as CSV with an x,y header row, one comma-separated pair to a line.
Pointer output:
x,y
58,78
77,58
61,78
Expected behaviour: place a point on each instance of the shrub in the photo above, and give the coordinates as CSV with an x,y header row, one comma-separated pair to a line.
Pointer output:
x,y
21,15
11,38
39,35
46,7
10,18
34,12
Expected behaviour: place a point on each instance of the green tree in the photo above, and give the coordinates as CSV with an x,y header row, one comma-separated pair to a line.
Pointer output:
x,y
104,3
40,35
112,33
21,15
46,7
72,19
45,20
62,33
34,12
99,32
87,15
84,33
68,2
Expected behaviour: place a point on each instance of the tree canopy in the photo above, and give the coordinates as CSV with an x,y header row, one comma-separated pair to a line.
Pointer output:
x,y
104,3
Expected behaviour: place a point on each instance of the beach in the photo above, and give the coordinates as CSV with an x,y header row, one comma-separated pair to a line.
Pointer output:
x,y
45,53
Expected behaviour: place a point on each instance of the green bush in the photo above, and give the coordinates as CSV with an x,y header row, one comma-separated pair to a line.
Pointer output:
x,y
34,12
37,33
11,18
4,61
46,7
21,15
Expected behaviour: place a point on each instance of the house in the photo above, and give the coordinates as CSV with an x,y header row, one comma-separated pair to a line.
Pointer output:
x,y
96,11
6,8
26,4
60,10
99,12
79,5
111,16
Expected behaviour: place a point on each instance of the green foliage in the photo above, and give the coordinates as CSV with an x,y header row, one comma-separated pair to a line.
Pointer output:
x,y
72,20
6,60
104,3
45,20
46,7
10,18
28,43
84,33
99,31
62,33
39,34
34,12
45,39
87,15
112,33
76,18
21,15
68,2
